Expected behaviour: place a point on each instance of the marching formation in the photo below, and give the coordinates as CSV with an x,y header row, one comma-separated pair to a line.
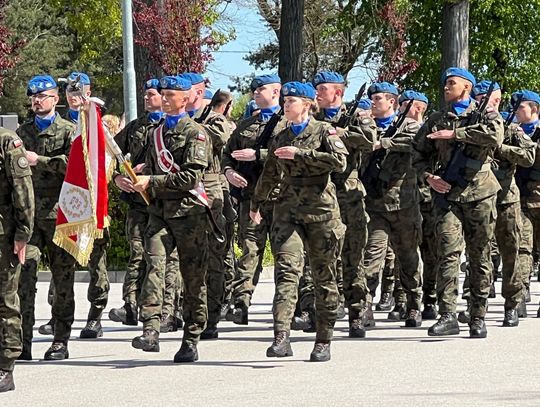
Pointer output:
x,y
348,196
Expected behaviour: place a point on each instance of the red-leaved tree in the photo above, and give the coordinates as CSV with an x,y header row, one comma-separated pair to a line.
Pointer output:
x,y
176,33
9,49
395,62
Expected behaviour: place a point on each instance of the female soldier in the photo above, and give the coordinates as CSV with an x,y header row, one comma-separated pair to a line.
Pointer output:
x,y
300,159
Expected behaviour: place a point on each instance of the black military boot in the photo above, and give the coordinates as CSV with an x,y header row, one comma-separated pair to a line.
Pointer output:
x,y
224,309
446,325
57,351
398,313
187,353
26,353
6,381
477,328
320,352
48,328
386,302
492,293
465,316
302,322
210,332
179,318
522,309
356,328
168,324
238,315
429,312
527,294
148,341
413,319
127,315
510,317
368,320
281,347
92,330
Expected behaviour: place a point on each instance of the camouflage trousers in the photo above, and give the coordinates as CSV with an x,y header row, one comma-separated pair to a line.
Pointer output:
x,y
10,312
428,251
322,242
62,266
402,230
189,235
136,222
530,238
390,282
173,285
252,239
229,260
508,235
475,222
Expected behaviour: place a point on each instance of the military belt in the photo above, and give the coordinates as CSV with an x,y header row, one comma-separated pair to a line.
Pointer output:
x,y
172,195
212,177
305,181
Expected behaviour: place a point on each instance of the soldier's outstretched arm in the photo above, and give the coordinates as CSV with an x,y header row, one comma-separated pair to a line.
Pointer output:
x,y
402,141
489,132
524,153
361,134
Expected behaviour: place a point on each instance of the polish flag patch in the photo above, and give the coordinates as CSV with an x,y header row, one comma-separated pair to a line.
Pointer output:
x,y
201,137
17,143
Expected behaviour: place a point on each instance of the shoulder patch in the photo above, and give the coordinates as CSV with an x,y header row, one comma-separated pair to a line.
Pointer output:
x,y
332,131
339,144
365,121
22,162
201,137
17,143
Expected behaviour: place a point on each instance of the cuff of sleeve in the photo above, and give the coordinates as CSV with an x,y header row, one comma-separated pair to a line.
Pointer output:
x,y
157,181
43,159
385,142
263,153
254,206
461,134
22,235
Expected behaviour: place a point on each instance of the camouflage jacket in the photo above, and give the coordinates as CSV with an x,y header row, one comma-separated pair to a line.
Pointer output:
x,y
245,136
133,140
306,192
188,145
479,140
517,149
529,178
397,185
16,190
358,139
52,145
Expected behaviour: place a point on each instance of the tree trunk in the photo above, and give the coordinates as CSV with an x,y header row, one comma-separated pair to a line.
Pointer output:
x,y
291,40
455,34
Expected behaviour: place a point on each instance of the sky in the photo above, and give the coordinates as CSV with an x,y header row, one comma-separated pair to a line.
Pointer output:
x,y
250,33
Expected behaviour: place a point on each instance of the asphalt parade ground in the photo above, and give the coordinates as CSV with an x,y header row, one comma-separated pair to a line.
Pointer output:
x,y
392,366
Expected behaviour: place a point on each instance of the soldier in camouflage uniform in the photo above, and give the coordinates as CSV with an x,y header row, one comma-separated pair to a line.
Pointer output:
x,y
358,137
242,165
175,162
468,200
47,138
517,149
133,141
393,197
16,223
528,181
219,130
306,216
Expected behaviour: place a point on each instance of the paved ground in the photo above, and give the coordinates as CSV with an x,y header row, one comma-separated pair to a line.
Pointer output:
x,y
393,366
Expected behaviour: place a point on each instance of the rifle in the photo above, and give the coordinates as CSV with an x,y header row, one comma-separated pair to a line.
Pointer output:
x,y
246,167
515,107
523,175
345,120
207,109
453,173
373,169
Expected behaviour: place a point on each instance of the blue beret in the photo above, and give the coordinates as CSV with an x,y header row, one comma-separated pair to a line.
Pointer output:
x,y
364,104
460,72
84,79
262,80
382,87
151,84
208,94
328,77
40,83
413,95
298,89
194,78
174,83
481,88
526,95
